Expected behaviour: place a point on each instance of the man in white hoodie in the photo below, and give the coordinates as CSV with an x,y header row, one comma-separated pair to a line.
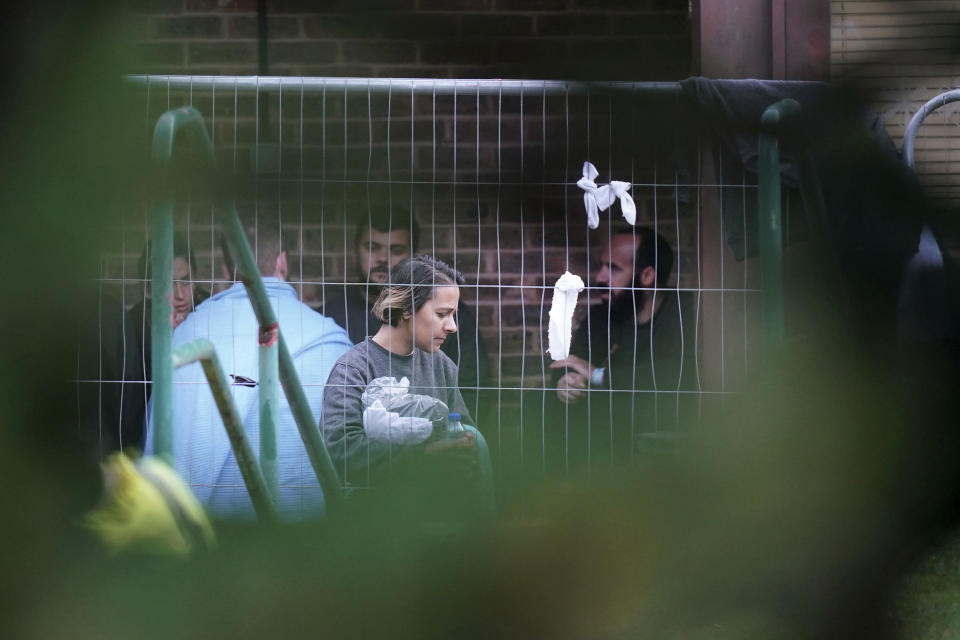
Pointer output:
x,y
201,449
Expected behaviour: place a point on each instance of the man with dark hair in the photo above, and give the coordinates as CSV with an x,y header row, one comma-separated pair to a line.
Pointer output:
x,y
632,354
379,244
115,349
135,336
201,449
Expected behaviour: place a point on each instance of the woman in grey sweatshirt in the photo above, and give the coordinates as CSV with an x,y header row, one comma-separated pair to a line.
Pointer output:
x,y
417,310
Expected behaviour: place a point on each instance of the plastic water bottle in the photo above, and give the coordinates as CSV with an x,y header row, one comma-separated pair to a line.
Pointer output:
x,y
454,426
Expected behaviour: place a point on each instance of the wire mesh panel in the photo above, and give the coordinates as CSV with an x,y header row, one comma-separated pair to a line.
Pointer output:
x,y
482,175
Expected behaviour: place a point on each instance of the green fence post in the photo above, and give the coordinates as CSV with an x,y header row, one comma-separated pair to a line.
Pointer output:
x,y
268,396
189,121
771,225
202,351
302,415
161,265
161,330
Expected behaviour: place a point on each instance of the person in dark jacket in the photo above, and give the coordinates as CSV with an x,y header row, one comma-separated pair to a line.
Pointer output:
x,y
135,339
631,358
379,244
416,309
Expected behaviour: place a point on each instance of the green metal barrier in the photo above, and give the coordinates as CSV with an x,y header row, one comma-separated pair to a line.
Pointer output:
x,y
170,125
275,360
269,376
202,351
306,425
826,263
771,219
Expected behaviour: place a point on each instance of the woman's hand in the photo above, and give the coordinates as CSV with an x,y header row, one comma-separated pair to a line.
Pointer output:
x,y
458,455
459,445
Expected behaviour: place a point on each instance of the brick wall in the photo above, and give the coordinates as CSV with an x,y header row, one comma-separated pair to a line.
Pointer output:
x,y
565,39
490,180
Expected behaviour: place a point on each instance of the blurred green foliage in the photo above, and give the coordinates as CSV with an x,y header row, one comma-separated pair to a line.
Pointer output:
x,y
929,604
793,516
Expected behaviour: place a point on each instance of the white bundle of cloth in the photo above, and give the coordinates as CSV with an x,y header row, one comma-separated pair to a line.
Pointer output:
x,y
560,328
596,198
392,414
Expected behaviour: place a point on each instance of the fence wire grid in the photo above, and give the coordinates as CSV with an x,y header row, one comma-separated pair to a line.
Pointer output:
x,y
488,170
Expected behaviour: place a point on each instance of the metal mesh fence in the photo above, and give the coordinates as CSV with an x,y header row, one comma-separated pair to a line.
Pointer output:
x,y
488,170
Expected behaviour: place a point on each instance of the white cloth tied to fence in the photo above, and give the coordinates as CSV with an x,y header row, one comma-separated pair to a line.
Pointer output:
x,y
596,199
560,328
392,414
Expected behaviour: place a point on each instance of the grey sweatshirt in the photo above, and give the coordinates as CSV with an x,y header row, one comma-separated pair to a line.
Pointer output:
x,y
358,459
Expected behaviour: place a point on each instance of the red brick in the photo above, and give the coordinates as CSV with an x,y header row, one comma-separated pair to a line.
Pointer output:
x,y
529,314
278,27
456,52
560,235
379,51
512,365
158,53
313,266
455,5
240,69
343,26
188,27
553,261
335,71
466,233
531,5
466,103
626,50
340,6
466,261
513,341
399,26
669,5
652,24
411,71
580,25
485,312
220,6
500,26
633,5
158,6
222,52
310,52
528,51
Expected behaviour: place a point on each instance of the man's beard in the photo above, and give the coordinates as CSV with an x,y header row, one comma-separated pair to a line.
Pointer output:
x,y
626,303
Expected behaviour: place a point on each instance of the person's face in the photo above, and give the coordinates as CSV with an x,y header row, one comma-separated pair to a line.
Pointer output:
x,y
435,320
182,298
616,270
380,251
